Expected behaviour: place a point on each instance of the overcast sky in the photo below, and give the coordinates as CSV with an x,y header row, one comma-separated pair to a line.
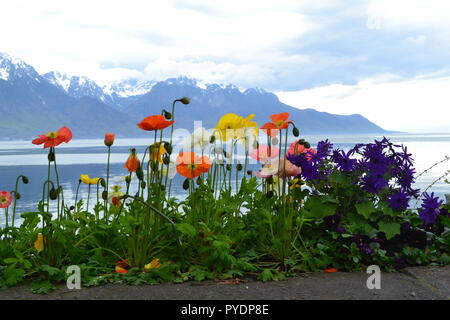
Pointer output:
x,y
387,60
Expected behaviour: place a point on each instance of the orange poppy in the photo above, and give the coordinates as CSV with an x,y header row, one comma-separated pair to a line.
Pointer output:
x,y
157,122
132,163
122,266
191,165
54,138
279,122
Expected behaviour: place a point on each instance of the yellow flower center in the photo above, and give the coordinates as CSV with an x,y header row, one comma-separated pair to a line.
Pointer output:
x,y
52,134
3,199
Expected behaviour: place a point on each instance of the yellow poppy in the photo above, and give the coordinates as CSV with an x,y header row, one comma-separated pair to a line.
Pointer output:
x,y
39,243
232,126
87,180
157,150
154,264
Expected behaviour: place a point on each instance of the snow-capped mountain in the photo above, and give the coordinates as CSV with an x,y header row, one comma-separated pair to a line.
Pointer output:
x,y
78,87
12,69
31,103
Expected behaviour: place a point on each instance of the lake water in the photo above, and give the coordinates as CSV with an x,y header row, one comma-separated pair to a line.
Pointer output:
x,y
89,157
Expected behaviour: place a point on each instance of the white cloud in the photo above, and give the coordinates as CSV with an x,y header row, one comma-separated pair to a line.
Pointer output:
x,y
419,104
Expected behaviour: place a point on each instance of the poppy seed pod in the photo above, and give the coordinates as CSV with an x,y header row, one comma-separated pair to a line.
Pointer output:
x,y
185,100
186,184
167,114
25,180
295,132
105,195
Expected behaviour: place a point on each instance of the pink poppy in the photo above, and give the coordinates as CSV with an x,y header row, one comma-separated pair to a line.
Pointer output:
x,y
263,154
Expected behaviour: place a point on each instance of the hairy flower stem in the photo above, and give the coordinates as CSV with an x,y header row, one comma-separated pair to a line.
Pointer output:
x,y
89,194
58,186
107,184
15,200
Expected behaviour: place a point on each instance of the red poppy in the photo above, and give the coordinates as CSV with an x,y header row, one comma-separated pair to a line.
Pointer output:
x,y
109,139
330,270
54,138
5,199
157,122
132,163
295,149
191,165
279,122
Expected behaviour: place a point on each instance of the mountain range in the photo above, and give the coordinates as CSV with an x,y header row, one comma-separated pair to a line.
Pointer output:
x,y
33,103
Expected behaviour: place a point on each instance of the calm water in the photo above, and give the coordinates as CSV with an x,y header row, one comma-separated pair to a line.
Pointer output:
x,y
89,157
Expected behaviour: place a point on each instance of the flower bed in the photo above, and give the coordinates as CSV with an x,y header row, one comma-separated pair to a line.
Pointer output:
x,y
305,210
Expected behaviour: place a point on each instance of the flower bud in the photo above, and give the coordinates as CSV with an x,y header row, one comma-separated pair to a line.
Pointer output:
x,y
167,114
185,100
163,187
186,184
295,132
199,181
307,145
239,167
53,194
228,167
143,184
105,195
140,173
269,180
127,179
166,159
212,139
269,194
103,183
168,147
17,195
249,172
72,208
51,155
25,180
109,139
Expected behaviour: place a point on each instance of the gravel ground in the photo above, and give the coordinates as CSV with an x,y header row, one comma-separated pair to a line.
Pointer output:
x,y
420,283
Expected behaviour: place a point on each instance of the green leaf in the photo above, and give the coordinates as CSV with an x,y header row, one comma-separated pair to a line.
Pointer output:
x,y
10,260
50,270
266,275
42,287
187,229
365,208
390,229
318,207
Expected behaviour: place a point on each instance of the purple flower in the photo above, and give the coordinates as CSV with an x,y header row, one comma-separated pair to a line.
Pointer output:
x,y
333,221
343,160
399,200
430,208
